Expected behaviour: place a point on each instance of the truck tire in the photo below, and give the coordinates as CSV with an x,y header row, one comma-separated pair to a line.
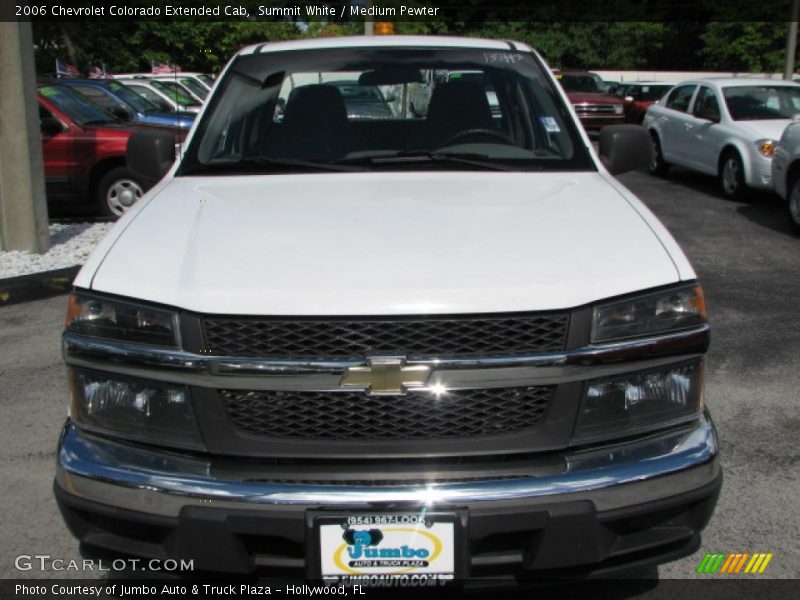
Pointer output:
x,y
118,190
657,165
731,176
793,203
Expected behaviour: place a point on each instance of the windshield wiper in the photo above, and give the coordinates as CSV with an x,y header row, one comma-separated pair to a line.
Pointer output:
x,y
260,161
471,159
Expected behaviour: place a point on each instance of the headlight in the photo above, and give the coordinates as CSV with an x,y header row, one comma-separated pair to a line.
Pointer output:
x,y
146,411
766,147
618,108
657,312
94,316
640,401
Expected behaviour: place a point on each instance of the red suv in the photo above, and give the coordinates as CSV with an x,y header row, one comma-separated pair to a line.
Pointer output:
x,y
84,153
595,108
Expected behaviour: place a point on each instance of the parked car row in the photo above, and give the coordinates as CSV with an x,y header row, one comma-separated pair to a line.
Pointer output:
x,y
85,126
731,129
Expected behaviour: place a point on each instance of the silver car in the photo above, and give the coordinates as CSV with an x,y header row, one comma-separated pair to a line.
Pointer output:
x,y
727,128
786,172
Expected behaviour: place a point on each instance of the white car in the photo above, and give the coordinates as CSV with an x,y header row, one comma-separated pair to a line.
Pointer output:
x,y
727,128
786,172
404,349
163,93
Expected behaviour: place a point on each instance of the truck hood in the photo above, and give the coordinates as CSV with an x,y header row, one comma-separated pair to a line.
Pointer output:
x,y
593,97
383,244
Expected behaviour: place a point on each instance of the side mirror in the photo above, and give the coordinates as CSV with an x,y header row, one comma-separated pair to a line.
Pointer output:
x,y
50,126
121,113
628,98
624,148
151,153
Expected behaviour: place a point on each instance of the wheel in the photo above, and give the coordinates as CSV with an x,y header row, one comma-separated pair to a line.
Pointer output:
x,y
793,204
118,190
731,176
657,165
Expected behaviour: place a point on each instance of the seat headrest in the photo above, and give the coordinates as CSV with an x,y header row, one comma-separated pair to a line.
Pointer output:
x,y
316,105
459,103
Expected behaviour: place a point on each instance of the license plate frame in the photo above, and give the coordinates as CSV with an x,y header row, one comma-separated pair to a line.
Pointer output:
x,y
430,525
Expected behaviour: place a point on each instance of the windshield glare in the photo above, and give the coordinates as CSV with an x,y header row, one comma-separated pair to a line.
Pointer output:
x,y
131,98
194,87
173,92
80,109
383,109
762,102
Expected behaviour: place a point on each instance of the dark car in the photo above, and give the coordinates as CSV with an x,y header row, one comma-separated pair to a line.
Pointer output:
x,y
639,97
363,101
595,107
126,104
84,149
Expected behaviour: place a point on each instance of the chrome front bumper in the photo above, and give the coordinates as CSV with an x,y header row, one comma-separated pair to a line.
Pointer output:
x,y
137,478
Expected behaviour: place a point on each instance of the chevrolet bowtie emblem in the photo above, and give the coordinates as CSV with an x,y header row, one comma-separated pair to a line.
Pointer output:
x,y
386,376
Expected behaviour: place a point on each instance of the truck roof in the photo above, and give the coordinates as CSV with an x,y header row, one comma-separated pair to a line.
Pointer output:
x,y
378,41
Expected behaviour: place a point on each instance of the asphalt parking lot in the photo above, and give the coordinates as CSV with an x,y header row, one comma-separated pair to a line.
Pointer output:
x,y
749,264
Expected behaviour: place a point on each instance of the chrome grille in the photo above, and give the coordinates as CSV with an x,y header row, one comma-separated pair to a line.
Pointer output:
x,y
358,416
411,337
605,109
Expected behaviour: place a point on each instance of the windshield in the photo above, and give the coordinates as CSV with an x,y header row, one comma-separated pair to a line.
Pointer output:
x,y
647,93
579,83
173,91
757,102
194,87
79,108
293,111
131,98
205,79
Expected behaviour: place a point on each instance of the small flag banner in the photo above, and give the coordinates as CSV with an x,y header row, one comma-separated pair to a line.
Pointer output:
x,y
66,70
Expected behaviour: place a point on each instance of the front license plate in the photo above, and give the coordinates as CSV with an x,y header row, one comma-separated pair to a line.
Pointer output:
x,y
403,546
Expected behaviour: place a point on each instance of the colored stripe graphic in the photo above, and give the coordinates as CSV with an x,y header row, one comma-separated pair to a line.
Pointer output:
x,y
733,563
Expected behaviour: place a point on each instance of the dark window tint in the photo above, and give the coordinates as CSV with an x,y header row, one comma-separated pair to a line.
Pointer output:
x,y
706,103
762,102
98,96
680,97
579,83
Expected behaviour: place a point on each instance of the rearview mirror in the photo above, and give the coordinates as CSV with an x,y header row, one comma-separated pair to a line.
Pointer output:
x,y
151,153
624,148
50,126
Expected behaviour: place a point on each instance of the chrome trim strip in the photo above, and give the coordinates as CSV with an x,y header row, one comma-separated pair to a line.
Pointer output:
x,y
178,366
161,482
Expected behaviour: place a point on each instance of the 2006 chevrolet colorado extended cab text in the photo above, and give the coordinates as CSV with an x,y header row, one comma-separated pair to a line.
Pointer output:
x,y
442,348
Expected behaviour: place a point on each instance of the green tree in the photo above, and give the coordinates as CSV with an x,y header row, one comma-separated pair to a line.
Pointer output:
x,y
754,46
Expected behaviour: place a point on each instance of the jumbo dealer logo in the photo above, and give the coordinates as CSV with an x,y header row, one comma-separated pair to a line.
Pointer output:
x,y
391,550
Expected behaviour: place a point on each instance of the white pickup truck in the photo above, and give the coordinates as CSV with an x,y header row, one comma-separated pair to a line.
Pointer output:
x,y
409,350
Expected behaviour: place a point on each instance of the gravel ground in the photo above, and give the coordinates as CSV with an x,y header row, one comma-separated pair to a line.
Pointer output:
x,y
70,244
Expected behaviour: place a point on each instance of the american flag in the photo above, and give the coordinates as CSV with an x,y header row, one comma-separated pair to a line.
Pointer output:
x,y
98,73
160,68
66,70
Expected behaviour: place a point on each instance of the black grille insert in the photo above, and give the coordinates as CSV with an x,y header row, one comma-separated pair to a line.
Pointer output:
x,y
359,416
413,337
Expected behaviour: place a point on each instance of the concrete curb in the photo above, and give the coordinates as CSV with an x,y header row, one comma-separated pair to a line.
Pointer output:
x,y
37,285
